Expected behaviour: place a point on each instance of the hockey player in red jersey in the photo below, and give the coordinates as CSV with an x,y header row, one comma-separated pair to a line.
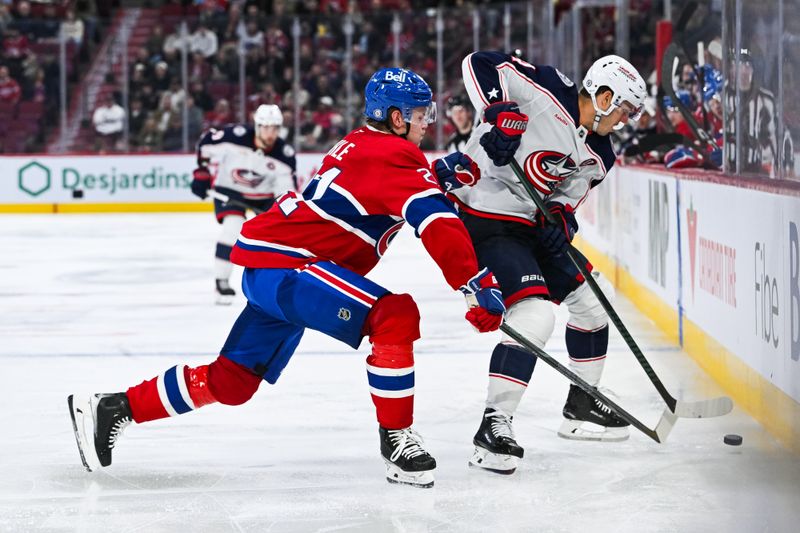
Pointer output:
x,y
305,262
564,152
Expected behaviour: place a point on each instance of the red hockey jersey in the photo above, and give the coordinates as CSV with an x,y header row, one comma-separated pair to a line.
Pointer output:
x,y
368,186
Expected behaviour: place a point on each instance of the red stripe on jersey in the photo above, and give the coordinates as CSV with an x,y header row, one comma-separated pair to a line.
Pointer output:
x,y
485,214
343,286
524,293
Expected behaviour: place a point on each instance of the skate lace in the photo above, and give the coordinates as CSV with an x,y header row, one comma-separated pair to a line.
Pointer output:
x,y
501,424
408,443
117,429
603,407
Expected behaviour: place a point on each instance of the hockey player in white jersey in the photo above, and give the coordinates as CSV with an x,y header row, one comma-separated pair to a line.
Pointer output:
x,y
559,136
252,166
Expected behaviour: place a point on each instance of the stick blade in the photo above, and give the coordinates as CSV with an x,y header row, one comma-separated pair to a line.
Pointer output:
x,y
705,408
664,426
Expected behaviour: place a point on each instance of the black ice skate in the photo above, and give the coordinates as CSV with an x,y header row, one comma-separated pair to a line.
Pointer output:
x,y
225,294
588,419
98,421
495,447
406,460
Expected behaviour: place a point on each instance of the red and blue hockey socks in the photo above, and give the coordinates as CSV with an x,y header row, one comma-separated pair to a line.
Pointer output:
x,y
392,326
182,389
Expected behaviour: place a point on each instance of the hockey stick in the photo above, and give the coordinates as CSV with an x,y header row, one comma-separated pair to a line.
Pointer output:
x,y
662,429
702,135
700,409
224,198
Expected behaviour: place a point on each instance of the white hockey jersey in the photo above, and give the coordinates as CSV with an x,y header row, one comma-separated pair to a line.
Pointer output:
x,y
554,147
237,164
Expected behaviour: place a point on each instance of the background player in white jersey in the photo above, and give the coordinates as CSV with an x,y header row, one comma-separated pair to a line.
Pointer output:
x,y
559,136
252,166
461,114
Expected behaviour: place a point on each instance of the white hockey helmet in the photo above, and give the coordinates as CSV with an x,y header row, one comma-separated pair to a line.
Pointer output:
x,y
622,78
268,115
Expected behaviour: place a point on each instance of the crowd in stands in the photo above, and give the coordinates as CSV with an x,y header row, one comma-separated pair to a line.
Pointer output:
x,y
222,33
30,32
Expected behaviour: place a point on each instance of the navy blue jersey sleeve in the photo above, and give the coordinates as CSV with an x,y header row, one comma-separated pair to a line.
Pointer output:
x,y
237,134
601,145
486,78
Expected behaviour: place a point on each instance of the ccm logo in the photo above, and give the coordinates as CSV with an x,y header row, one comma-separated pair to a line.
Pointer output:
x,y
509,124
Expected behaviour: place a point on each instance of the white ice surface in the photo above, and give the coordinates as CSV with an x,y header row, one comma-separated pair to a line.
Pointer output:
x,y
101,302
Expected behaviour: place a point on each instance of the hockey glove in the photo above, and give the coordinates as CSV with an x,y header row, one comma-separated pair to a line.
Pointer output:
x,y
201,182
456,170
485,301
555,238
502,141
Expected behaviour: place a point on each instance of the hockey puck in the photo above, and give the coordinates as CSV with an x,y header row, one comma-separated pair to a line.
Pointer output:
x,y
77,193
732,440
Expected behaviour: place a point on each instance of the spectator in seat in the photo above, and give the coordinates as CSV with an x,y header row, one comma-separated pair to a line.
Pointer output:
x,y
161,77
72,28
23,21
49,24
149,139
199,68
201,97
203,41
109,122
252,37
155,43
136,117
172,140
39,87
220,116
173,42
328,120
10,91
15,47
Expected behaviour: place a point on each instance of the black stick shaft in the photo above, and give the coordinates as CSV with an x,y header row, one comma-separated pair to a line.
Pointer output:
x,y
577,380
612,314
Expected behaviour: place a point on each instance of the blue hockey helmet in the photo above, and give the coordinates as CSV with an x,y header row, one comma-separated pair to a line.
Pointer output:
x,y
399,88
683,95
712,80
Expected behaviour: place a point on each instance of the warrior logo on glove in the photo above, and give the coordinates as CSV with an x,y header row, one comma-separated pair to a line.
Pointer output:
x,y
546,169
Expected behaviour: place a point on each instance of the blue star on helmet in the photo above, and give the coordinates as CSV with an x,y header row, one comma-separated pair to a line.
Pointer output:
x,y
559,167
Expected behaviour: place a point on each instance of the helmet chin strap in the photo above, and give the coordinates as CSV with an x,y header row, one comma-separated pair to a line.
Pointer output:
x,y
599,113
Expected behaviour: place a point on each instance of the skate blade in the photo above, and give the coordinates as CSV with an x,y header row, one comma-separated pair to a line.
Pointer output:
x,y
81,411
423,480
581,430
224,299
494,462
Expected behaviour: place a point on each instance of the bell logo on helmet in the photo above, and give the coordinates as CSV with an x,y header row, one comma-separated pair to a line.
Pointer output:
x,y
377,113
399,77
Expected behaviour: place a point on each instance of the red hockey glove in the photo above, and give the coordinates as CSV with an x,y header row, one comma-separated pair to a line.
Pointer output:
x,y
201,182
456,170
485,301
